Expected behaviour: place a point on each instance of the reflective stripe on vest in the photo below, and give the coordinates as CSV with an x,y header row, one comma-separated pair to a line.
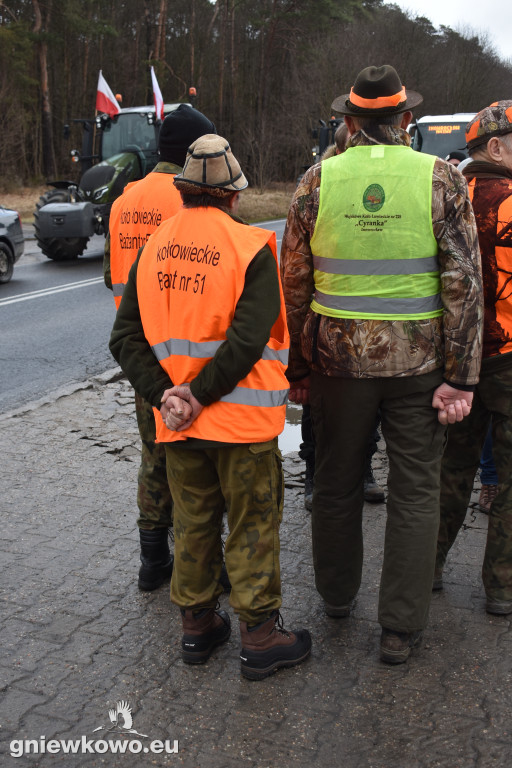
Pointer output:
x,y
135,215
206,349
374,251
190,277
382,307
381,267
260,398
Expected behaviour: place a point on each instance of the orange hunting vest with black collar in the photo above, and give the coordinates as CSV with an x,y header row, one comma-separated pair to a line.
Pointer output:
x,y
492,204
135,215
190,277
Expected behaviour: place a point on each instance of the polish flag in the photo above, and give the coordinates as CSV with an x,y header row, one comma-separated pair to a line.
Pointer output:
x,y
105,99
157,96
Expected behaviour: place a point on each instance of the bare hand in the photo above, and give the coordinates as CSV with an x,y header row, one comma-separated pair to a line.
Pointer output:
x,y
299,391
452,404
175,411
190,406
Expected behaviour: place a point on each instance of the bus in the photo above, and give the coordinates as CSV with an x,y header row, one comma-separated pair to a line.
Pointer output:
x,y
440,134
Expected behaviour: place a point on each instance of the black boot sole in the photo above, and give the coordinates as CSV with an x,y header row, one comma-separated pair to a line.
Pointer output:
x,y
263,665
154,577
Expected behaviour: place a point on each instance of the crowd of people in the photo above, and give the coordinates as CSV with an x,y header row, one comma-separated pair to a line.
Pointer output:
x,y
389,308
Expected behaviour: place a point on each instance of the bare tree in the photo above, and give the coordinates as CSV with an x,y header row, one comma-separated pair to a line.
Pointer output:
x,y
265,70
40,29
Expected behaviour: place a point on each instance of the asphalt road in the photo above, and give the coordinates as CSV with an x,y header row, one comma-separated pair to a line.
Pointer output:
x,y
56,319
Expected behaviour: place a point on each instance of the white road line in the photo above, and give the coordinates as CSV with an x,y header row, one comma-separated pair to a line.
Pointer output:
x,y
49,291
265,224
84,283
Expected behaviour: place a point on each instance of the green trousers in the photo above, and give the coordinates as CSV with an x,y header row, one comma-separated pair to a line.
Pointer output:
x,y
246,482
343,412
153,494
492,403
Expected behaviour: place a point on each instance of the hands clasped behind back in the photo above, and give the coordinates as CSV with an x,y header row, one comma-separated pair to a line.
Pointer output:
x,y
179,408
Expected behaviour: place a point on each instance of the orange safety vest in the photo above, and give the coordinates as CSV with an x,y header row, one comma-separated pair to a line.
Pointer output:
x,y
134,216
190,277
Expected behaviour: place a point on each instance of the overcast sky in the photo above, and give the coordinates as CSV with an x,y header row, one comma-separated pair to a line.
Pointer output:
x,y
491,16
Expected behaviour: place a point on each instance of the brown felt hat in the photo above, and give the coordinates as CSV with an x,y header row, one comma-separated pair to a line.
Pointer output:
x,y
377,91
211,167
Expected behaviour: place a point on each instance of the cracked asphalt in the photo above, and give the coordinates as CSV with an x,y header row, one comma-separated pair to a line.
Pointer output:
x,y
77,636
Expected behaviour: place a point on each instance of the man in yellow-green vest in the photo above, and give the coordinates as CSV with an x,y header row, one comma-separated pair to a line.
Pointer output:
x,y
384,239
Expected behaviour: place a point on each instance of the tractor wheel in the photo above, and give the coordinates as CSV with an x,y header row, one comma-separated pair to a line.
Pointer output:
x,y
58,248
6,263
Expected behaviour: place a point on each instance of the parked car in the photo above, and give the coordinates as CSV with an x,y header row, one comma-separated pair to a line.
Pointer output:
x,y
11,242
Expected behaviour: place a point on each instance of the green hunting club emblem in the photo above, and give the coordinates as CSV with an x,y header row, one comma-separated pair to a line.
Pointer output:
x,y
373,198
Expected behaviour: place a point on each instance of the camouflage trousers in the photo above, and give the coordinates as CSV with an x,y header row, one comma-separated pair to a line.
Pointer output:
x,y
153,494
492,404
246,482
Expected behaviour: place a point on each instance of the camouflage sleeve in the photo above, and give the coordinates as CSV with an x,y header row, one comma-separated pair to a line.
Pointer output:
x,y
461,274
296,264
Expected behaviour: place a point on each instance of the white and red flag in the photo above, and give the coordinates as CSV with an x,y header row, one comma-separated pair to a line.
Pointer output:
x,y
157,96
105,99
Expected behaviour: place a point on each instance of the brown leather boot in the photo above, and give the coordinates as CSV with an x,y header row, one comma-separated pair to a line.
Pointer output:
x,y
202,632
487,495
396,647
268,646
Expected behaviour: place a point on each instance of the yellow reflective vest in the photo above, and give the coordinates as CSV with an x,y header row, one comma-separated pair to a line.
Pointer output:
x,y
374,251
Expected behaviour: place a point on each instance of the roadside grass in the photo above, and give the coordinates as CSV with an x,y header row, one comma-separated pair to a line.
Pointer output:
x,y
255,205
23,200
271,203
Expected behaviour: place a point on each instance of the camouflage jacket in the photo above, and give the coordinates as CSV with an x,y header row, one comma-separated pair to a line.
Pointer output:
x,y
492,203
358,348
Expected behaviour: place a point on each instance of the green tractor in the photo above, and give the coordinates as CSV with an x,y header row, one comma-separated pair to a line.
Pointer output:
x,y
115,151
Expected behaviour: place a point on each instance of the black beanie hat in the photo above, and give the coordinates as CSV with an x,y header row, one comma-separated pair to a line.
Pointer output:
x,y
179,130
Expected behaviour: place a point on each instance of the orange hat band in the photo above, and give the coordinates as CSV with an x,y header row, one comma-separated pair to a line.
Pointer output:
x,y
381,102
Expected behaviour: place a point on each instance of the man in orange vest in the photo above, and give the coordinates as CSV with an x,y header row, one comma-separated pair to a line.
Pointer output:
x,y
489,142
203,308
134,217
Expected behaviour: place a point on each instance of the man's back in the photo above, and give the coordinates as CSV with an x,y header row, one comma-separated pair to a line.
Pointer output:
x,y
492,203
365,347
135,215
373,247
